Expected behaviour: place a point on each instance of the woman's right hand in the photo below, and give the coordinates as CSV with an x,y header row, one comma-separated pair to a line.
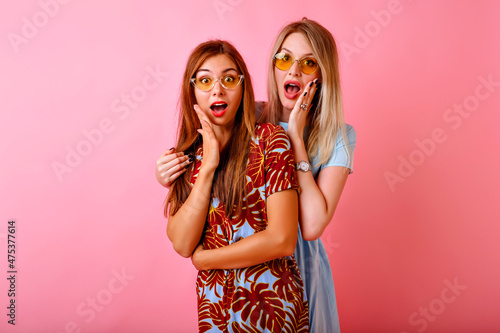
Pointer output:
x,y
210,142
171,165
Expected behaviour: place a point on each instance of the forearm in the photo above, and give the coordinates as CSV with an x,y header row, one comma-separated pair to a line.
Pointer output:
x,y
252,250
185,228
277,240
315,210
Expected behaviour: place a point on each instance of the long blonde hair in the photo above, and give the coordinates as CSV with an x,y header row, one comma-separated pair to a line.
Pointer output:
x,y
326,119
229,184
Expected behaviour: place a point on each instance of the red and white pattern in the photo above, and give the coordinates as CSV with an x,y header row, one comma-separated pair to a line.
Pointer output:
x,y
268,297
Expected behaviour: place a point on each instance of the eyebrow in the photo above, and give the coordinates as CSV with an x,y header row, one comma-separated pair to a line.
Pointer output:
x,y
305,55
224,71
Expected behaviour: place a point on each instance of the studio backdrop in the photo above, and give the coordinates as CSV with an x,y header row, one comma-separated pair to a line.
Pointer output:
x,y
88,102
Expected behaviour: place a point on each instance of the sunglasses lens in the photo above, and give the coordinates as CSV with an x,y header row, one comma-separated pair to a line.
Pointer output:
x,y
230,81
282,61
204,83
308,65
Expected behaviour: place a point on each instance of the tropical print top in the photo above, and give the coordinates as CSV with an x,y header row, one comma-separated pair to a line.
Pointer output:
x,y
268,297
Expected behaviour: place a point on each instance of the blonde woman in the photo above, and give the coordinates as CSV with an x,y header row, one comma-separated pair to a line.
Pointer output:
x,y
305,99
305,54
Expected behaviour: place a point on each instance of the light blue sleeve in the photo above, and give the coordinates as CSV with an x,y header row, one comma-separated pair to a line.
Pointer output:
x,y
339,155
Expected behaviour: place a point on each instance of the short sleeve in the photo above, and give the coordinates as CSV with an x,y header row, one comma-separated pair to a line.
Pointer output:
x,y
340,156
279,163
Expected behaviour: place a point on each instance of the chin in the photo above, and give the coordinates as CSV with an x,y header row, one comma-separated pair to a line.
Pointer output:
x,y
287,104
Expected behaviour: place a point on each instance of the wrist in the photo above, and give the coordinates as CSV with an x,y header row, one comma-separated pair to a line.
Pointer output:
x,y
201,260
303,166
293,135
298,143
206,173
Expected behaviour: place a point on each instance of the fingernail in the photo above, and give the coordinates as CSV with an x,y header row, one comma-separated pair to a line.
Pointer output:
x,y
305,93
187,166
191,159
316,81
311,84
172,148
186,153
191,156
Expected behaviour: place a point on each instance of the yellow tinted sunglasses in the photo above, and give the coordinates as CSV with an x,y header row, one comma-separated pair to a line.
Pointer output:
x,y
206,83
283,61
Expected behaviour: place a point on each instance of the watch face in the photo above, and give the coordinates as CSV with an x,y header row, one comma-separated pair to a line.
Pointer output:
x,y
304,166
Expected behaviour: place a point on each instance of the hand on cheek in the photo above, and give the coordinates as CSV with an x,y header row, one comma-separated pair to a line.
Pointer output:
x,y
298,117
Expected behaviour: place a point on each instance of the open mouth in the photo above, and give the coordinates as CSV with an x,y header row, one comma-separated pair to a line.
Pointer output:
x,y
292,89
218,108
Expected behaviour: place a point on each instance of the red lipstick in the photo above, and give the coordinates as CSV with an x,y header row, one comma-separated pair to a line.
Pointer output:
x,y
292,89
218,108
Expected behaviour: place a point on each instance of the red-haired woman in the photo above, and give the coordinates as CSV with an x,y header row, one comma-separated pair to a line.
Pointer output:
x,y
235,210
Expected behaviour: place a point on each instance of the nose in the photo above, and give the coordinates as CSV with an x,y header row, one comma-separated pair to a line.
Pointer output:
x,y
295,69
217,89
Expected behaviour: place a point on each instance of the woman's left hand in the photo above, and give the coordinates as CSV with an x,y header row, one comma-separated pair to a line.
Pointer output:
x,y
298,117
196,257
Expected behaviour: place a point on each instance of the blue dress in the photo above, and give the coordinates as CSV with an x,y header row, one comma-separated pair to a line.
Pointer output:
x,y
312,259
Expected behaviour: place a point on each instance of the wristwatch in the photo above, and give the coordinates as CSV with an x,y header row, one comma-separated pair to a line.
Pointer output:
x,y
303,166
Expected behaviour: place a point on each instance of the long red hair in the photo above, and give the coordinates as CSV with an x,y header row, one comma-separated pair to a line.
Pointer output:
x,y
229,181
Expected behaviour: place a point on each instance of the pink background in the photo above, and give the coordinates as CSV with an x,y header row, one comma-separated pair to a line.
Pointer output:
x,y
414,243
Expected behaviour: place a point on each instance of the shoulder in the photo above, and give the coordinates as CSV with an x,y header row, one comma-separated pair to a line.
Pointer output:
x,y
350,135
271,137
268,130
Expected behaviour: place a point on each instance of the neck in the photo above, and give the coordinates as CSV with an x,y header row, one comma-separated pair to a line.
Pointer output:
x,y
285,115
222,135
